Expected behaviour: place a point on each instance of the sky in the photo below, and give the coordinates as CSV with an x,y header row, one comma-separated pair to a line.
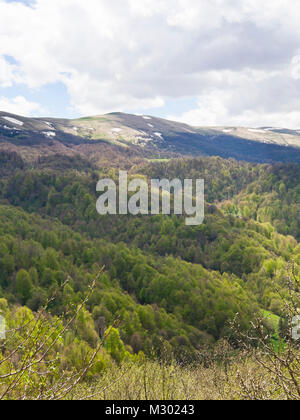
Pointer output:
x,y
203,62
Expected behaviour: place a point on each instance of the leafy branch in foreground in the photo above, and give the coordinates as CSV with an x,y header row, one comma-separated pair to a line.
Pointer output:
x,y
276,354
30,362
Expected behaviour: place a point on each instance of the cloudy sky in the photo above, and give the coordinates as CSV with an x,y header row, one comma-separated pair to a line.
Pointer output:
x,y
205,62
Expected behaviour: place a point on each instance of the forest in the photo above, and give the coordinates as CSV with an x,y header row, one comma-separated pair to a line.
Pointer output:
x,y
163,293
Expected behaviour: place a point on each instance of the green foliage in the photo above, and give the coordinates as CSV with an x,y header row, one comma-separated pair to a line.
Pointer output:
x,y
115,346
24,286
166,282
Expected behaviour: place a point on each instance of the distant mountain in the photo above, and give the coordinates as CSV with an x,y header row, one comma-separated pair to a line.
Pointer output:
x,y
145,137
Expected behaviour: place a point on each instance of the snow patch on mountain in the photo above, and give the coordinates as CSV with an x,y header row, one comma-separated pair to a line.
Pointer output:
x,y
159,135
50,125
49,133
256,130
13,121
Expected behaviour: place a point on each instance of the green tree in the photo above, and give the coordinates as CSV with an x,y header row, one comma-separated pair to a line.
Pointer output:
x,y
24,286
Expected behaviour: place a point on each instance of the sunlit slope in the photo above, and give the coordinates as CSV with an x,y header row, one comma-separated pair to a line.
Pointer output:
x,y
153,137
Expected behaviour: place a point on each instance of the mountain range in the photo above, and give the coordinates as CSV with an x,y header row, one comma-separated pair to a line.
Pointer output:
x,y
142,136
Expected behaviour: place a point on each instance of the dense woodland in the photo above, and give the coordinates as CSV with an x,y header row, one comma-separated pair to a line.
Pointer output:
x,y
170,288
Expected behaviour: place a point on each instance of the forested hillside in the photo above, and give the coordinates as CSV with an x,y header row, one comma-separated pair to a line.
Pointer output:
x,y
167,285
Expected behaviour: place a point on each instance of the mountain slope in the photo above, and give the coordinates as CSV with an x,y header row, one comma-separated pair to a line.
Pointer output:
x,y
196,278
147,137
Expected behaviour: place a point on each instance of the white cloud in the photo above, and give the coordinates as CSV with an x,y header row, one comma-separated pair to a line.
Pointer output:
x,y
212,111
234,56
19,105
295,67
7,73
91,96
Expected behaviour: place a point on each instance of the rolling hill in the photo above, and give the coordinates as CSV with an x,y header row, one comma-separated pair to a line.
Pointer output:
x,y
144,137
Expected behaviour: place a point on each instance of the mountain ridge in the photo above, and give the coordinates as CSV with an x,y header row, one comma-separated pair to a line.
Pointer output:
x,y
152,137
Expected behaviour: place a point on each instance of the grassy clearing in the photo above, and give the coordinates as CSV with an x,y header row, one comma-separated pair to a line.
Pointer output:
x,y
274,319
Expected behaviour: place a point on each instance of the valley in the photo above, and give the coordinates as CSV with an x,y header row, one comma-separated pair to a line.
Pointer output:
x,y
166,291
